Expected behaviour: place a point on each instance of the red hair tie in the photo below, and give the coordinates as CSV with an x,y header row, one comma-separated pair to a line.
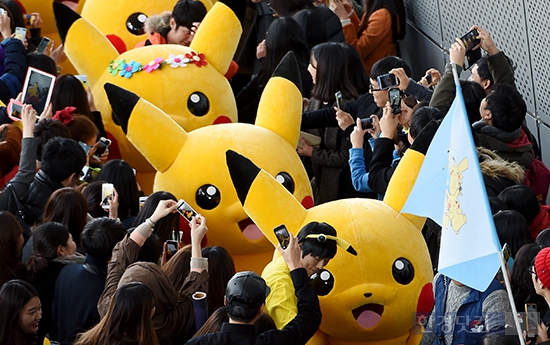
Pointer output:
x,y
65,116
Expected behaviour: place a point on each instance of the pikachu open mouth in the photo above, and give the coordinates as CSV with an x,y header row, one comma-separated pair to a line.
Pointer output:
x,y
368,315
250,230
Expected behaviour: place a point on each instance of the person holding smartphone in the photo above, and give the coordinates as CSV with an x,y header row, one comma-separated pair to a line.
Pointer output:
x,y
281,304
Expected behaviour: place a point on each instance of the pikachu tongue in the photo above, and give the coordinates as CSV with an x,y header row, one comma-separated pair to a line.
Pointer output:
x,y
368,319
252,232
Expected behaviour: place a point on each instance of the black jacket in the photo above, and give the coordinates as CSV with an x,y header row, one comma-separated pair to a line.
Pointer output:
x,y
35,199
77,292
296,332
15,67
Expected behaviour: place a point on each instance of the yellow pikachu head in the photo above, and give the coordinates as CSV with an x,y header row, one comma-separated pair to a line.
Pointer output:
x,y
190,164
378,292
123,20
187,83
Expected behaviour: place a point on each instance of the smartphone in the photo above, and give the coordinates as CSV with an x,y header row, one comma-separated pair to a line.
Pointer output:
x,y
387,81
14,110
171,248
428,78
470,39
282,235
506,254
83,79
532,320
21,33
102,147
142,200
185,210
43,45
366,123
107,192
472,57
339,99
29,18
394,96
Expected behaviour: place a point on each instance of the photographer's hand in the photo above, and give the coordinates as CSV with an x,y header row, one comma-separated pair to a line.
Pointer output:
x,y
344,119
113,205
306,150
356,137
457,52
292,253
164,208
28,118
487,42
402,76
388,123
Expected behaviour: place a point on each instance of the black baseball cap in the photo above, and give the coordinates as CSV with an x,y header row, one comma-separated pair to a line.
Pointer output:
x,y
246,289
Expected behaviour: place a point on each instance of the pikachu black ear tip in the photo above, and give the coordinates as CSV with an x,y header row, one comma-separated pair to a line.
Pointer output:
x,y
351,250
243,172
64,19
122,103
289,69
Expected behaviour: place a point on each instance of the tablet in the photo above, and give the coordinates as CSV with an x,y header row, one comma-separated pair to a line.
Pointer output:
x,y
38,88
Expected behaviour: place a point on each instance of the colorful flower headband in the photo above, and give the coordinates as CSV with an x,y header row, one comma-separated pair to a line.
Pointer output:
x,y
127,69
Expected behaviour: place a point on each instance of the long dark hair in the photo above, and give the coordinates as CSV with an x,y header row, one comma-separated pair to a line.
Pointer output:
x,y
167,226
221,269
68,207
285,8
128,320
358,76
397,12
520,279
332,73
10,232
121,175
46,239
69,92
284,35
13,297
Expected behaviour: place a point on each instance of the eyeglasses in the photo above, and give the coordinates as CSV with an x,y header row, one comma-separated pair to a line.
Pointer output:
x,y
531,270
372,89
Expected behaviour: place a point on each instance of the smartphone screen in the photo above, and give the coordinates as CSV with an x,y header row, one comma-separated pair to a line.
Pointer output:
x,y
185,210
394,95
282,235
339,99
103,145
387,81
171,249
107,192
532,320
83,79
20,33
16,109
43,45
428,78
470,39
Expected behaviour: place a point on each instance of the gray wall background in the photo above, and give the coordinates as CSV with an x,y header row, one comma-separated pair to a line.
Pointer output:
x,y
520,28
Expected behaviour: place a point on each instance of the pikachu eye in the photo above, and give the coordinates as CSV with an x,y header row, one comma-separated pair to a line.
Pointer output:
x,y
136,23
198,104
403,271
208,197
286,180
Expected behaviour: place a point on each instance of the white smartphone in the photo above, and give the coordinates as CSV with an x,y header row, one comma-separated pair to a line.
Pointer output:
x,y
142,200
21,33
107,193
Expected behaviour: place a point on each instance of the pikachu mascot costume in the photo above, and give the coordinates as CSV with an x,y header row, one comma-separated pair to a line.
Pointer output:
x,y
187,83
378,294
191,165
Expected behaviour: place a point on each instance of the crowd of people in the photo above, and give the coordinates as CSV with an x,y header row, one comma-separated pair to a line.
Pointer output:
x,y
77,269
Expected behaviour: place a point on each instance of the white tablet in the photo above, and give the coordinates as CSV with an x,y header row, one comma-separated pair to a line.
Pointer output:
x,y
38,88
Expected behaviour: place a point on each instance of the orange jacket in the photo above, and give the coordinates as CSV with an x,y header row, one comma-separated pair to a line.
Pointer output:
x,y
376,41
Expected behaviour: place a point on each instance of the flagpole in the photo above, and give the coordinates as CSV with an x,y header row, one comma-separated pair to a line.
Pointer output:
x,y
511,297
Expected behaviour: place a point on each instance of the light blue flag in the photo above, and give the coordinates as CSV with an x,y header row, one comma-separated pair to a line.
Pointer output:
x,y
450,177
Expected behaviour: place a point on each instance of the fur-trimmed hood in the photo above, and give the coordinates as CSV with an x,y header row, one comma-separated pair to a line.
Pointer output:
x,y
158,22
492,165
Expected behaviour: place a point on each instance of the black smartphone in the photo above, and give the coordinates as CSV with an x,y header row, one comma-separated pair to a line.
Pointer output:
x,y
428,78
185,210
339,99
366,123
43,45
102,147
282,235
532,320
470,39
387,81
171,249
394,96
472,57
